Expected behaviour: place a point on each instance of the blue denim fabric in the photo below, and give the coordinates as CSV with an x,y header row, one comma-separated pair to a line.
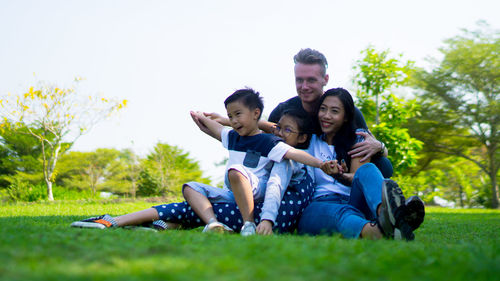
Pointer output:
x,y
384,165
366,190
342,214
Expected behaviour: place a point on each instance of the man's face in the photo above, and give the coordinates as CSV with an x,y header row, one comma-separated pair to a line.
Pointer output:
x,y
309,82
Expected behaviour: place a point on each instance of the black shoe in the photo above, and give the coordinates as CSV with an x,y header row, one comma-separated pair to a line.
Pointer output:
x,y
393,212
415,212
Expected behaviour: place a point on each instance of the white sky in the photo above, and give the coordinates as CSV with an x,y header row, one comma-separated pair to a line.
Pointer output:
x,y
170,57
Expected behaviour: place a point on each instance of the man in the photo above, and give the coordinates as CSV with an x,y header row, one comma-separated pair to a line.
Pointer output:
x,y
310,80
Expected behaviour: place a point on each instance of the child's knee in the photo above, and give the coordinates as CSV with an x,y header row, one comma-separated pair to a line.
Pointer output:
x,y
235,175
187,190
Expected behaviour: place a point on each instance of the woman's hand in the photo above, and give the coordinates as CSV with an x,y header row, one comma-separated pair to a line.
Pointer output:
x,y
265,227
348,176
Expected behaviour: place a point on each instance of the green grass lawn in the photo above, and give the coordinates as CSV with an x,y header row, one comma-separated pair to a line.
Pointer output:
x,y
36,243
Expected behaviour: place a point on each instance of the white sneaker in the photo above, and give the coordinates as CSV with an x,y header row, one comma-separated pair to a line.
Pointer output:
x,y
248,229
217,227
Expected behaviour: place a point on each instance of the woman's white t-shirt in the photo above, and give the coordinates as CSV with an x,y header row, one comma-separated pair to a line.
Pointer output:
x,y
325,184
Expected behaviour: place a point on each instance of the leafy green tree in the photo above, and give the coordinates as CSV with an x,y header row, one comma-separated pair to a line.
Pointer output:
x,y
461,94
19,157
87,170
168,167
386,114
123,174
148,184
56,118
377,73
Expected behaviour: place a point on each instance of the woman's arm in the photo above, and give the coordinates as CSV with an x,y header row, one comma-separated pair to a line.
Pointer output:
x,y
355,164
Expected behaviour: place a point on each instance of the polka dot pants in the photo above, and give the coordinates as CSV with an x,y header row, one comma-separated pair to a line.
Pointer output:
x,y
296,198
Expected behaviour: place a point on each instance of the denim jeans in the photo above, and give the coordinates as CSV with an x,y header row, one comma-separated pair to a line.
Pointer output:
x,y
347,215
384,165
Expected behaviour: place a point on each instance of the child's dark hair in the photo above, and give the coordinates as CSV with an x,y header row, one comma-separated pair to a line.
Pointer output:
x,y
345,138
304,124
248,97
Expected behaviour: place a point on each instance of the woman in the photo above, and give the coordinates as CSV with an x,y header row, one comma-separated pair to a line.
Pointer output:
x,y
357,202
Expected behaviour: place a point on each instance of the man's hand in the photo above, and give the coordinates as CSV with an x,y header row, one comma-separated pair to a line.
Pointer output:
x,y
265,227
366,149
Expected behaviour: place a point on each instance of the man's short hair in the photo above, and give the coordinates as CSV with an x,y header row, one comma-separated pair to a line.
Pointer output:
x,y
310,56
248,97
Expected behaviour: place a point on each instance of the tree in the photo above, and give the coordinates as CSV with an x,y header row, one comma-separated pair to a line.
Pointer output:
x,y
123,173
387,115
103,169
464,89
19,157
166,169
377,73
56,117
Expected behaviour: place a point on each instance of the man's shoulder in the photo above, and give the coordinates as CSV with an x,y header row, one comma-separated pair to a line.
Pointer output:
x,y
293,103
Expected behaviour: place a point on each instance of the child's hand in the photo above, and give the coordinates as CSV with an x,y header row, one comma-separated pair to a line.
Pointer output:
x,y
331,167
197,118
217,117
265,227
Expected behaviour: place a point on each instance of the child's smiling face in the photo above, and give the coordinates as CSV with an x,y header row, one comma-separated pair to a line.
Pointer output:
x,y
288,129
243,120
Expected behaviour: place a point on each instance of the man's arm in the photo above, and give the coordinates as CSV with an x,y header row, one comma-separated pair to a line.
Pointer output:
x,y
207,125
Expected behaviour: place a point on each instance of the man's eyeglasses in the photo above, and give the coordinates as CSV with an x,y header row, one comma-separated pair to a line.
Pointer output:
x,y
284,131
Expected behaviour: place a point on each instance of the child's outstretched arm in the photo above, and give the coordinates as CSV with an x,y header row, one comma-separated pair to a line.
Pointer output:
x,y
207,125
265,126
303,157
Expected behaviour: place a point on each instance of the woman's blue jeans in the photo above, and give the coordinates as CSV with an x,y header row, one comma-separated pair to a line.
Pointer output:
x,y
343,214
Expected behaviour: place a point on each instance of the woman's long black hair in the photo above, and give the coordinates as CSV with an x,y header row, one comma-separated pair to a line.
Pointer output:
x,y
345,138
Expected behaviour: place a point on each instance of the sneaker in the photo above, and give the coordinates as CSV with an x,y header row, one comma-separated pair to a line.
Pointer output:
x,y
217,227
100,222
393,211
415,212
248,229
159,225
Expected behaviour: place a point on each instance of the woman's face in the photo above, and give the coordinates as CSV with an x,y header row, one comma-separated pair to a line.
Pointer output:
x,y
331,115
288,130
